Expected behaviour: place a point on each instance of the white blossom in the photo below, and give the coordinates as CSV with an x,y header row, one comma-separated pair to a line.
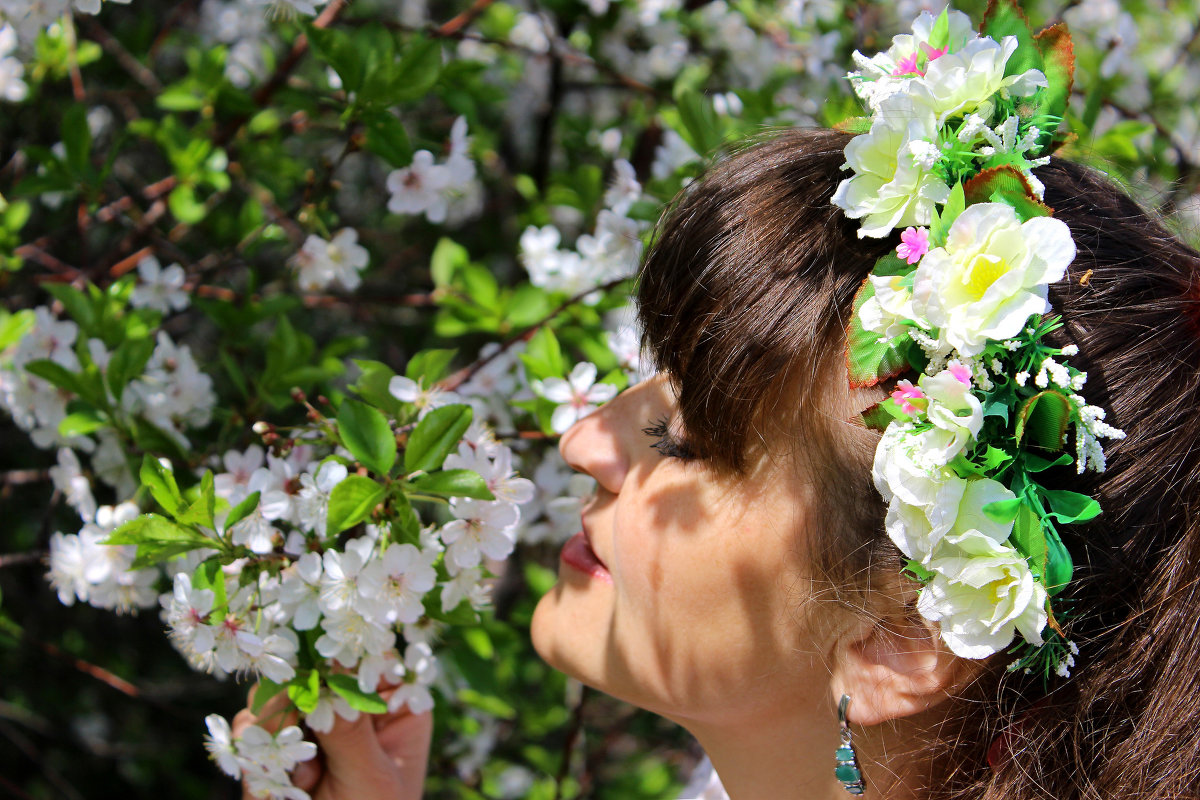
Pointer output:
x,y
159,289
320,264
577,396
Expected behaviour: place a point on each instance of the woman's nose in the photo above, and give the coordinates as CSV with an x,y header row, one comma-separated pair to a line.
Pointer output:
x,y
594,445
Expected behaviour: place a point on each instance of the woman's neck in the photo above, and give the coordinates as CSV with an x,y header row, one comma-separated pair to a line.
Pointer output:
x,y
792,758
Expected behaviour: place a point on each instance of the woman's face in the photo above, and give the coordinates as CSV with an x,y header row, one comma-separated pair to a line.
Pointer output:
x,y
694,607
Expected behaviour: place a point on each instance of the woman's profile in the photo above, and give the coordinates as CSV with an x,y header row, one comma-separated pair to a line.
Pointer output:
x,y
862,533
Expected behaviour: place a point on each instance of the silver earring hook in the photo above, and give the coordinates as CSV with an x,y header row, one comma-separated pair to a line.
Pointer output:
x,y
842,706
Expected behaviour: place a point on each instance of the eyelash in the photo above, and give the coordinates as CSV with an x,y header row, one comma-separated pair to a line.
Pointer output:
x,y
666,443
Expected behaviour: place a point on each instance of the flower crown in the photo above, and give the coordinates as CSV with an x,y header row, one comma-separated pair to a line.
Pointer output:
x,y
958,123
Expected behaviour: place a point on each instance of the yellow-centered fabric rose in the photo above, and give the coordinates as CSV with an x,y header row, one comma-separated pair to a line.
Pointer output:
x,y
991,275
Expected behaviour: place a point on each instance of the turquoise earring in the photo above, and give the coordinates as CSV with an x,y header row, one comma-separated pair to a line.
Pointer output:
x,y
847,770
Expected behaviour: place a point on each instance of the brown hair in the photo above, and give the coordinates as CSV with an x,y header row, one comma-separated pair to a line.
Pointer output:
x,y
748,286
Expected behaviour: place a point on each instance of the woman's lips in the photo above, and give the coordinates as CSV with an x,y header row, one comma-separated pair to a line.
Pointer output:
x,y
578,553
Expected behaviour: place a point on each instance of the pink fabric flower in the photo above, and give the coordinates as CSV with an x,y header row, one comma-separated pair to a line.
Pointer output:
x,y
960,372
907,66
905,394
914,243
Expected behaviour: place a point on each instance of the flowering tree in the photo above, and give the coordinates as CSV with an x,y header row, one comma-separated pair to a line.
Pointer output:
x,y
294,290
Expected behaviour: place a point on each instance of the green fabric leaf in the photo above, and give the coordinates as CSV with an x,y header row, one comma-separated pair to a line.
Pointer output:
x,y
1003,511
1059,566
366,434
1006,184
880,415
1058,56
351,502
1067,506
1029,537
869,361
347,688
1005,18
1042,420
435,437
954,206
1035,463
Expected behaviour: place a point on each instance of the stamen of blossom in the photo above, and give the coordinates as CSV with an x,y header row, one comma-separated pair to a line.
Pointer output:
x,y
914,243
908,66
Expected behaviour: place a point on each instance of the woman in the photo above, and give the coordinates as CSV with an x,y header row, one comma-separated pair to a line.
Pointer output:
x,y
738,570
734,575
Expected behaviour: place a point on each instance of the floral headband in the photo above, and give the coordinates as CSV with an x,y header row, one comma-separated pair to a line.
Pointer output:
x,y
958,123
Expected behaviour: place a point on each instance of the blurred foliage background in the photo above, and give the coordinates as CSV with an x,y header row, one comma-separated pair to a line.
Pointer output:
x,y
221,134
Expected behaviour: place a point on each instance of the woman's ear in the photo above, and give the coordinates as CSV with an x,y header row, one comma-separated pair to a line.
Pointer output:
x,y
895,667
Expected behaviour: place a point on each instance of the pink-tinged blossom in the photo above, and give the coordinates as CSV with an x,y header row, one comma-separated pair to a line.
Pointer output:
x,y
158,288
234,484
577,396
420,188
960,372
425,399
186,612
914,243
219,743
392,587
907,66
905,395
482,529
422,668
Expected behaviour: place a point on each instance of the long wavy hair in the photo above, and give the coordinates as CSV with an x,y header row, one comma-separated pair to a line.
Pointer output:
x,y
748,286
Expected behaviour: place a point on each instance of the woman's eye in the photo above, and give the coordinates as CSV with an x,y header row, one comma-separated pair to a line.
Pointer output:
x,y
667,443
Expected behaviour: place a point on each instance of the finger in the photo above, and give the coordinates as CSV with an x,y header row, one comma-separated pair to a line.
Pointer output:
x,y
308,774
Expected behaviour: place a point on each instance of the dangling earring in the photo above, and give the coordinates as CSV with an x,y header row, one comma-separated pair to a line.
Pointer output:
x,y
847,770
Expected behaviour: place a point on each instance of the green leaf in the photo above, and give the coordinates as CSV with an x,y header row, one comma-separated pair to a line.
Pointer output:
x,y
76,304
351,502
372,385
203,508
880,415
153,529
1058,56
14,326
81,423
265,690
700,123
429,366
1003,511
448,259
869,360
1059,566
57,374
387,138
454,483
209,575
1005,18
939,37
1029,537
184,204
479,641
1066,506
76,138
435,437
1005,184
543,357
242,510
365,432
917,571
335,48
305,690
487,703
128,362
417,71
161,483
1035,463
348,689
1042,420
954,206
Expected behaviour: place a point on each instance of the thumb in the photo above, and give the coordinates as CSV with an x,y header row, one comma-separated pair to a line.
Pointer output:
x,y
351,747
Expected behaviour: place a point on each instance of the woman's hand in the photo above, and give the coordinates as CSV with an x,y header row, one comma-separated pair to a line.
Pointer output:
x,y
376,757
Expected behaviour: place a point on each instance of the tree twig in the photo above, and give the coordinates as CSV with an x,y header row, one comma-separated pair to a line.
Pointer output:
x,y
463,375
13,559
135,69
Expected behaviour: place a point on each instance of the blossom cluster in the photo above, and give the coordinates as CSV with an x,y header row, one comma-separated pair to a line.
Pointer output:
x,y
962,300
446,192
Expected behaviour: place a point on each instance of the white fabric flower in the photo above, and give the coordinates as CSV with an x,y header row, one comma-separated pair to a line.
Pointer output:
x,y
965,81
890,189
991,275
885,311
955,507
982,593
890,72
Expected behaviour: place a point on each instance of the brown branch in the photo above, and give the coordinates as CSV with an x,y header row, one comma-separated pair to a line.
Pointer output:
x,y
17,477
136,69
96,671
574,729
464,19
463,375
13,559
